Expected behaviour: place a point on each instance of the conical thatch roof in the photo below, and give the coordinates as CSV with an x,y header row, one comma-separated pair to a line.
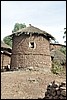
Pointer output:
x,y
32,30
3,45
58,56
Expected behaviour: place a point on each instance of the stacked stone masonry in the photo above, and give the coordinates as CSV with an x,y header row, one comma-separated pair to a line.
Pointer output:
x,y
23,56
56,91
5,60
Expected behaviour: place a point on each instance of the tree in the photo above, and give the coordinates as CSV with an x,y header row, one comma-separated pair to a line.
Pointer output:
x,y
64,34
8,39
18,26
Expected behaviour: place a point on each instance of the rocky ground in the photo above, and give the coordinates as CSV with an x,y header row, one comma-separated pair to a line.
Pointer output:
x,y
26,84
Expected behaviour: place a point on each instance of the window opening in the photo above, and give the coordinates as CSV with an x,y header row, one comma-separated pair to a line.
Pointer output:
x,y
32,44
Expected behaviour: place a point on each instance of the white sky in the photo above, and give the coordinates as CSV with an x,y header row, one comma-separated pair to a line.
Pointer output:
x,y
49,16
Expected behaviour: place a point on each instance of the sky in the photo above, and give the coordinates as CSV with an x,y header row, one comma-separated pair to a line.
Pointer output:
x,y
49,16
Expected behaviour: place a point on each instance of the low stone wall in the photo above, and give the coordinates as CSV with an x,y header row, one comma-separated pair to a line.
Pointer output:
x,y
56,91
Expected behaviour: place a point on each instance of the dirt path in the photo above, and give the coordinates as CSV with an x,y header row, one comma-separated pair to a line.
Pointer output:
x,y
26,84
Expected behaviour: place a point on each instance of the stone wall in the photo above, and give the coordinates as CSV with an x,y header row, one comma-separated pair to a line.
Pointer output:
x,y
31,61
56,91
5,60
21,45
24,56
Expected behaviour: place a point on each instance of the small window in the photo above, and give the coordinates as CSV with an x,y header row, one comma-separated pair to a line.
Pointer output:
x,y
32,45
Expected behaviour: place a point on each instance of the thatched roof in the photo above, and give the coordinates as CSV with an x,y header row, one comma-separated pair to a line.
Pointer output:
x,y
3,45
58,56
32,30
58,44
6,52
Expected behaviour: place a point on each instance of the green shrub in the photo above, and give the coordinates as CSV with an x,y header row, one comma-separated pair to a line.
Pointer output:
x,y
56,68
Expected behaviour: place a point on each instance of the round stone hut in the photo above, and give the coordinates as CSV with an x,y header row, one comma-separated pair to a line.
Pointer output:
x,y
31,49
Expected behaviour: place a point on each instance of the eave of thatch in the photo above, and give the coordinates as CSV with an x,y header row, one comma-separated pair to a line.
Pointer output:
x,y
32,30
6,52
57,44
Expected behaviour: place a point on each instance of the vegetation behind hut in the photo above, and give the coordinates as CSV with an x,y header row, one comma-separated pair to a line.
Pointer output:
x,y
8,39
58,62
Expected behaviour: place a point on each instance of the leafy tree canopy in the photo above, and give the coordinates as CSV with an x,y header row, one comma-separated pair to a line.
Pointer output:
x,y
8,39
64,34
18,26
